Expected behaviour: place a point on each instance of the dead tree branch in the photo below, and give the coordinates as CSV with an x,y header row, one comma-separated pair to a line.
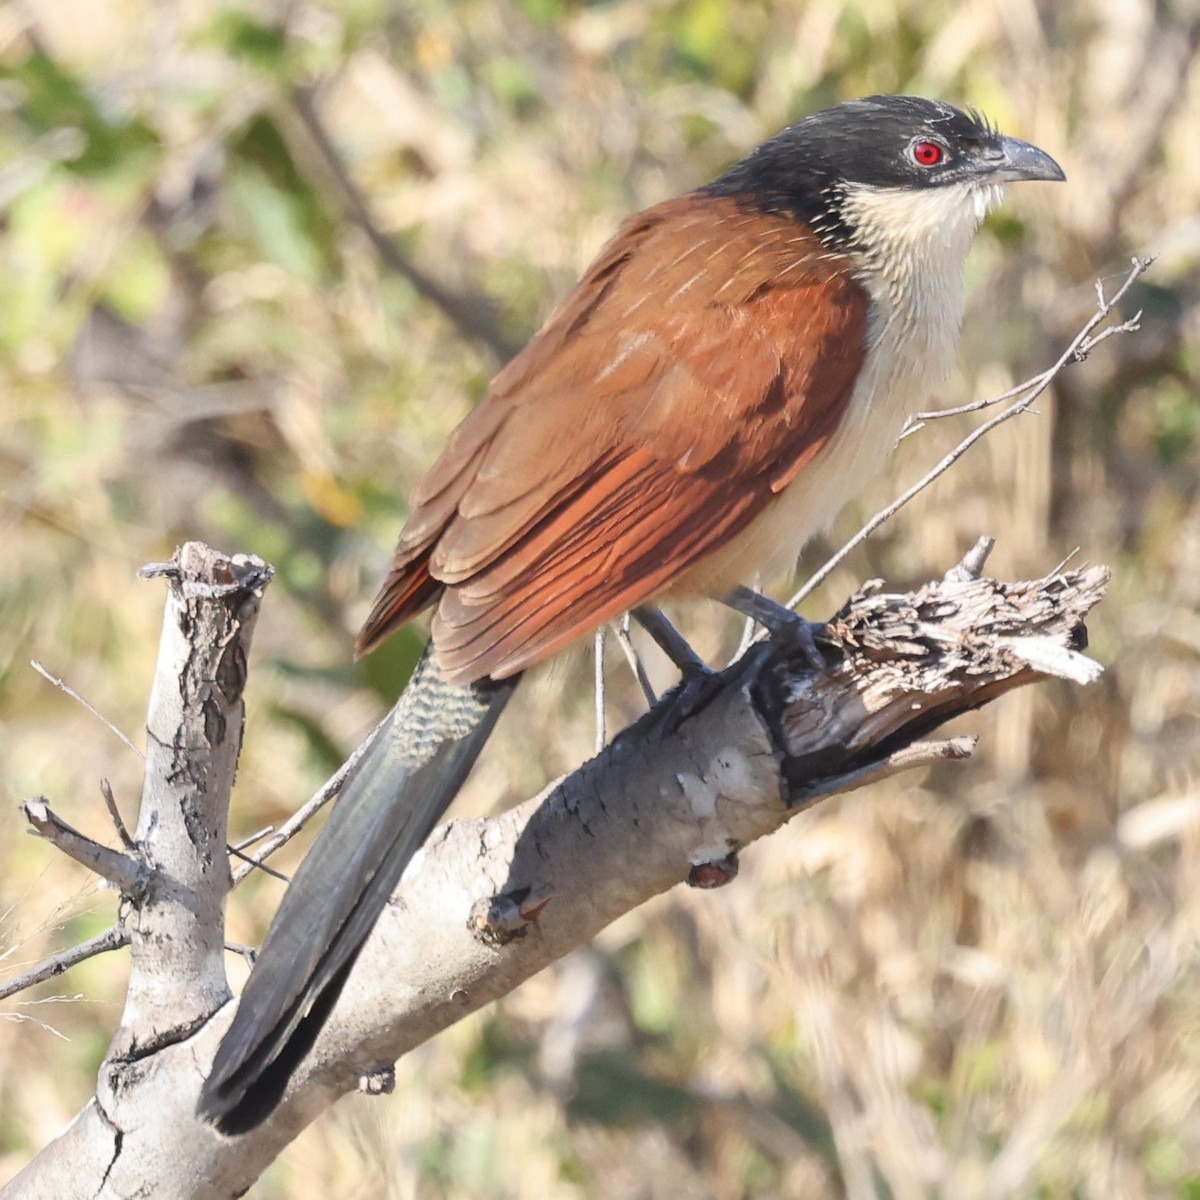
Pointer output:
x,y
488,903
471,314
51,968
126,873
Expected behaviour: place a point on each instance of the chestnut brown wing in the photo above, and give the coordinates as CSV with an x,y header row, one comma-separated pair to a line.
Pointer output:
x,y
704,358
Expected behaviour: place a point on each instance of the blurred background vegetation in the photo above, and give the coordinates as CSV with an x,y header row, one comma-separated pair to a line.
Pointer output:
x,y
257,259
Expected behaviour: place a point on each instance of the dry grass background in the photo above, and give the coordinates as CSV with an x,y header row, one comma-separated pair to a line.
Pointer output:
x,y
980,983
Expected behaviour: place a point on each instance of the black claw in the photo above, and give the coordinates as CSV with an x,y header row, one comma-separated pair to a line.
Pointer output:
x,y
785,627
804,634
672,643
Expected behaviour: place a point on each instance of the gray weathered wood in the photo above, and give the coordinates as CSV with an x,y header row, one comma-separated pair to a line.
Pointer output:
x,y
490,902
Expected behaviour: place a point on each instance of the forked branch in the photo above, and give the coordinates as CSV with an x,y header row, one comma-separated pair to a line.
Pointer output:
x,y
709,769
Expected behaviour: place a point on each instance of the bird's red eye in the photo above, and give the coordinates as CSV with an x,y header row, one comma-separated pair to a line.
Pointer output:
x,y
926,154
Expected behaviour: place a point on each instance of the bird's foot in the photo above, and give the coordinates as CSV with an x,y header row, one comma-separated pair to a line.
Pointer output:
x,y
672,643
783,625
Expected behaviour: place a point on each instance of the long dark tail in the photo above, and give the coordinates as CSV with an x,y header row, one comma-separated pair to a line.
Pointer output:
x,y
405,780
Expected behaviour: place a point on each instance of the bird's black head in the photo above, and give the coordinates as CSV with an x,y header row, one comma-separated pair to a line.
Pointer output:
x,y
879,143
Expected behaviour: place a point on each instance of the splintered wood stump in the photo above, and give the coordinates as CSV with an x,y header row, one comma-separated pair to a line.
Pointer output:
x,y
910,663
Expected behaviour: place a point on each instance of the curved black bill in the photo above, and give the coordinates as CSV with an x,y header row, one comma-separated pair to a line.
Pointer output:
x,y
1011,159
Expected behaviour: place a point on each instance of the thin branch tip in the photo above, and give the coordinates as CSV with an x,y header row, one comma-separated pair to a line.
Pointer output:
x,y
68,690
111,939
159,570
970,567
110,802
129,875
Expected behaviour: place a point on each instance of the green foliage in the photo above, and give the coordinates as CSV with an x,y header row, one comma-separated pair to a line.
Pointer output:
x,y
259,45
52,99
1177,424
613,1089
287,222
494,1052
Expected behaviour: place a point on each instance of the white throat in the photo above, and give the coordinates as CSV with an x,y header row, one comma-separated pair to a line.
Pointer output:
x,y
910,253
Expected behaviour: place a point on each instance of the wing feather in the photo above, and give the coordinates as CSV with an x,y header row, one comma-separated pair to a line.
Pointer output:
x,y
706,356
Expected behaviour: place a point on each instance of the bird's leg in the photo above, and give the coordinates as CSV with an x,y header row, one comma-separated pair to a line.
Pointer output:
x,y
781,623
598,674
635,663
671,642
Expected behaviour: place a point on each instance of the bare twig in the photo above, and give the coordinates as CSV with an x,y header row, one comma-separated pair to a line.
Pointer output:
x,y
1058,569
257,864
110,802
129,875
102,943
625,641
44,1026
238,850
63,686
917,421
919,754
254,837
301,817
470,313
248,953
1081,345
598,685
1079,350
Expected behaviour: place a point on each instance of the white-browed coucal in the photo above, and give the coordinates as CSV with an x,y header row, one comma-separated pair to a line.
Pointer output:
x,y
731,368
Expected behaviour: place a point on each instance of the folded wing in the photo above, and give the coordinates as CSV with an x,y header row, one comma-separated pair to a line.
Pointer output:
x,y
705,357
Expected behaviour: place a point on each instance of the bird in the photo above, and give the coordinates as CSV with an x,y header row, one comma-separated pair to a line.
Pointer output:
x,y
734,364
